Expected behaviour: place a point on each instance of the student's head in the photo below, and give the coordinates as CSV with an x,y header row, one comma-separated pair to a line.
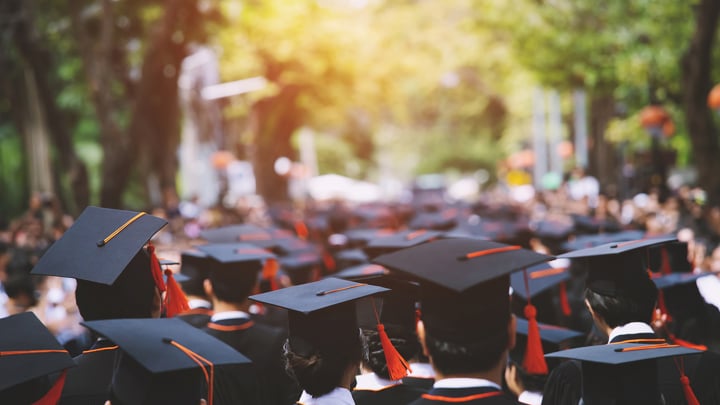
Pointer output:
x,y
233,282
620,309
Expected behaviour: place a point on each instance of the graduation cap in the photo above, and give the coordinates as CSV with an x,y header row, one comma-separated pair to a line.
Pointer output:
x,y
235,265
350,257
360,237
179,277
323,317
670,258
588,241
236,233
104,244
400,240
164,360
624,373
195,266
29,353
361,272
434,220
676,279
541,277
300,266
99,245
465,285
619,268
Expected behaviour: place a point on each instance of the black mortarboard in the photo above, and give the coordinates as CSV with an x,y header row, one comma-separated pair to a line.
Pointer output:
x,y
299,267
400,240
361,271
360,237
28,353
160,359
587,224
549,333
322,314
349,257
99,245
459,264
434,220
588,241
236,233
540,277
621,373
670,258
227,253
676,279
618,268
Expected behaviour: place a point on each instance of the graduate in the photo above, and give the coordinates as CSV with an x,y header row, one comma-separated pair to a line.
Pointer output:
x,y
466,327
233,275
194,264
621,299
324,348
116,278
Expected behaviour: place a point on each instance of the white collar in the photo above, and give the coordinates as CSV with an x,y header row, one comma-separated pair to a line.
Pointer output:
x,y
530,398
373,382
338,396
465,383
199,303
221,316
631,328
421,370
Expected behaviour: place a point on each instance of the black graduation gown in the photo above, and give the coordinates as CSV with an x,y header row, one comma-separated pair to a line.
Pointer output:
x,y
424,384
197,317
264,346
466,396
564,385
89,382
392,395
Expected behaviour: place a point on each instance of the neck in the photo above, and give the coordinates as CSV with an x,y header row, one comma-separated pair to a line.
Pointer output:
x,y
224,306
349,377
494,374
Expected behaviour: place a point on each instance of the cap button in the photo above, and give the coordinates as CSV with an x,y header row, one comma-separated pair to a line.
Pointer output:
x,y
101,243
613,246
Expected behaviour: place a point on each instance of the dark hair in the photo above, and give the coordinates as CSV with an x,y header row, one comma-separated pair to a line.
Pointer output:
x,y
18,285
130,296
319,371
235,285
621,309
454,358
404,340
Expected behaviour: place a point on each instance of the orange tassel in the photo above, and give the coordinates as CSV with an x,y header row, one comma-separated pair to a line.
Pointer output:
x,y
397,366
685,343
534,361
688,391
301,230
564,303
155,268
175,299
328,261
52,397
665,267
269,273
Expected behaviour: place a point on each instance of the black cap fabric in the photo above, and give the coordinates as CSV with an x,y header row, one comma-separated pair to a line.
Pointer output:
x,y
588,241
676,279
621,373
360,237
82,253
540,277
401,240
548,333
153,369
235,252
361,272
618,268
670,258
459,264
25,333
350,257
322,314
236,233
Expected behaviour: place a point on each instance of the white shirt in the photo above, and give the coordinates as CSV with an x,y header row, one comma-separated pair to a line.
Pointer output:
x,y
709,288
465,383
373,382
199,303
421,370
530,398
338,396
631,328
221,316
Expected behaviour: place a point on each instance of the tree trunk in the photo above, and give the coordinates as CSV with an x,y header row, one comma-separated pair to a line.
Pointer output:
x,y
696,82
602,157
276,119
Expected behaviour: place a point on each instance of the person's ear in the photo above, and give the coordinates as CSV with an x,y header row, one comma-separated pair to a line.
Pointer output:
x,y
420,329
207,285
512,332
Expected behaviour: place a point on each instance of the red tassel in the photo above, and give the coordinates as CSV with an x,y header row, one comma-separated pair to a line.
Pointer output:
x,y
661,306
269,273
685,343
397,366
534,361
155,268
52,397
328,261
664,262
175,299
301,230
564,303
688,391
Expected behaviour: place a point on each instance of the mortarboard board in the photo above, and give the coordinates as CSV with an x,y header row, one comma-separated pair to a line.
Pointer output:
x,y
434,220
236,233
99,245
549,333
618,268
361,272
350,257
299,267
400,240
162,359
676,279
588,241
670,258
360,237
322,314
230,253
622,373
587,224
29,353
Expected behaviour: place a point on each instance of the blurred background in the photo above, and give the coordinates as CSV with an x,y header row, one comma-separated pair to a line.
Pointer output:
x,y
155,103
